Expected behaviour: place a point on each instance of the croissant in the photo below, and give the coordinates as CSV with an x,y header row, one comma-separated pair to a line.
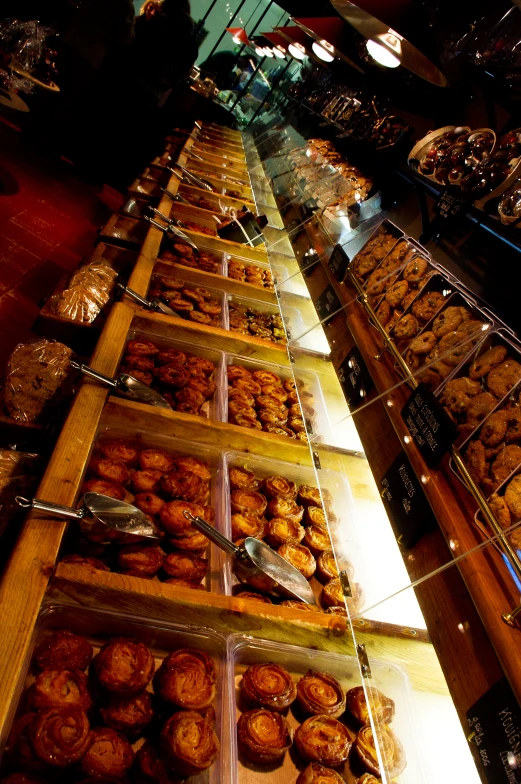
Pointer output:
x,y
64,649
60,736
268,686
318,774
60,689
124,666
393,755
382,707
323,739
320,693
109,754
189,743
248,502
187,679
263,736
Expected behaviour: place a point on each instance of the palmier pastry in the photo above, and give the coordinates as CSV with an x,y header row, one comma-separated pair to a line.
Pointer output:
x,y
327,568
55,688
146,481
323,739
200,366
189,743
142,348
111,470
247,420
155,460
318,774
268,686
131,363
64,649
172,517
109,754
86,561
315,515
309,496
120,451
186,566
193,541
237,371
317,539
104,487
248,502
194,466
299,557
241,396
320,693
60,736
149,503
256,597
286,507
129,715
264,736
266,377
242,479
279,430
382,707
281,530
247,385
279,487
124,666
393,755
187,679
141,558
248,525
268,403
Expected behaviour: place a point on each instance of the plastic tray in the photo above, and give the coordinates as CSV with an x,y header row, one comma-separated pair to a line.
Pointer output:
x,y
185,277
390,679
292,319
217,255
386,226
99,626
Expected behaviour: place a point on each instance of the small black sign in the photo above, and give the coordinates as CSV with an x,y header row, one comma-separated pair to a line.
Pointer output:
x,y
405,502
328,303
449,205
307,262
355,378
495,730
432,429
339,262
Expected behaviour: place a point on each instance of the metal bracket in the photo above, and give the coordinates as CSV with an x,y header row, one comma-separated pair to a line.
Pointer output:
x,y
346,585
364,661
291,357
316,461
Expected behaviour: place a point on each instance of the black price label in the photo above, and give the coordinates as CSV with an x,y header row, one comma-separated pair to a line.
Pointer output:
x,y
450,206
495,730
432,429
327,304
355,378
405,502
307,262
339,262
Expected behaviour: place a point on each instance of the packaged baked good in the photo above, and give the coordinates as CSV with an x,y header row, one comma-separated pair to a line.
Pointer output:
x,y
19,475
89,289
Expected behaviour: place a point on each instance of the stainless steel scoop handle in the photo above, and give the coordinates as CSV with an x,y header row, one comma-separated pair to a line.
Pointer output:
x,y
197,180
217,538
173,230
135,296
45,506
172,221
88,371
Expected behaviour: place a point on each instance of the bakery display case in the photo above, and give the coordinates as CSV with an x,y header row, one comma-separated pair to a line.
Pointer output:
x,y
294,373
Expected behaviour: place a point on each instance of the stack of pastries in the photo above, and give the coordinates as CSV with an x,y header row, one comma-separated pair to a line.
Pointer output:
x,y
163,486
333,733
194,303
121,719
248,320
183,254
249,273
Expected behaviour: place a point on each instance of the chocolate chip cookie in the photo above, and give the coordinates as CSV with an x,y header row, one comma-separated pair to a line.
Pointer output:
x,y
513,497
503,377
486,362
428,305
506,462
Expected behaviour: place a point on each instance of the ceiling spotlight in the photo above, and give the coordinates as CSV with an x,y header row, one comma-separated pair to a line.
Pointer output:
x,y
236,39
386,49
279,53
267,51
323,50
259,50
297,51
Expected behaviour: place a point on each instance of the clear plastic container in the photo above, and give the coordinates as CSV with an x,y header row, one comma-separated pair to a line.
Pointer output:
x,y
292,320
218,256
99,626
184,276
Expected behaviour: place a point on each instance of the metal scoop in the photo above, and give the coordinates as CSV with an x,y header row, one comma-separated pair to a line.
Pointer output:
x,y
118,515
126,385
198,181
258,566
149,304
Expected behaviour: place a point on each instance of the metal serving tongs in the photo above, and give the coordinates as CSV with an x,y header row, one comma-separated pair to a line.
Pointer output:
x,y
150,304
115,514
198,181
258,566
126,385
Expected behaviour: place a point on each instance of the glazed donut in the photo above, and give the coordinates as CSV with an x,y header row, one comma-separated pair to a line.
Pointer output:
x,y
64,649
268,686
155,460
124,666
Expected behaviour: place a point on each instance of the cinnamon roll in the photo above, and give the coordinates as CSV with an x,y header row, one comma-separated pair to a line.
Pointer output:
x,y
60,736
237,407
241,397
124,666
393,755
186,566
293,398
275,391
320,693
200,366
268,417
187,679
203,385
248,502
247,385
279,430
263,736
172,517
64,649
194,466
279,487
56,688
327,568
141,558
155,460
299,557
248,525
189,743
323,739
268,686
131,362
242,479
382,707
120,451
174,376
109,754
315,515
237,371
266,377
317,539
282,531
287,508
129,715
171,356
267,403
142,348
289,385
189,397
318,774
251,422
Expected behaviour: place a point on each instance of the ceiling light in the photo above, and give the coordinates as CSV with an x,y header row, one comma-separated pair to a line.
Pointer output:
x,y
321,51
236,39
297,51
278,53
259,50
386,50
267,51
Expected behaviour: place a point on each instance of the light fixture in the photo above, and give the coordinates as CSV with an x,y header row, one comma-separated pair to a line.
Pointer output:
x,y
297,51
299,42
278,44
267,51
278,53
321,51
382,54
260,51
239,35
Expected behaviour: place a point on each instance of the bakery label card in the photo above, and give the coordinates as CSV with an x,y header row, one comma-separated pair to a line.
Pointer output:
x,y
431,428
355,378
328,303
339,262
494,724
405,502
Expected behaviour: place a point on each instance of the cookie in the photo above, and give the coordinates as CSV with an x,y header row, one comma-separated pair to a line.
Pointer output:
x,y
383,312
474,329
507,461
500,509
494,430
396,293
486,362
447,321
513,417
458,394
428,305
408,299
513,497
453,347
406,327
503,377
377,282
423,343
395,318
413,360
475,461
480,407
430,377
415,270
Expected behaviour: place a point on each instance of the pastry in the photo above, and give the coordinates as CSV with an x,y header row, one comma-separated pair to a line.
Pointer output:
x,y
64,649
119,451
60,688
317,539
173,520
146,481
299,557
186,566
155,460
320,693
318,774
124,666
382,707
60,736
189,743
109,754
268,686
281,530
242,479
278,487
187,678
244,525
323,739
248,502
315,515
263,736
309,496
287,508
141,558
129,715
391,750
